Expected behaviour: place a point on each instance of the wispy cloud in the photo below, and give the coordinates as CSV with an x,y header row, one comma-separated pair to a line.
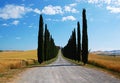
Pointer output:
x,y
70,8
36,10
55,20
111,5
71,18
18,38
113,9
16,22
31,4
52,10
100,1
30,26
5,24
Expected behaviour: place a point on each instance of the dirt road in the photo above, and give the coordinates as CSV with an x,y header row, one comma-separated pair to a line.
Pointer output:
x,y
62,71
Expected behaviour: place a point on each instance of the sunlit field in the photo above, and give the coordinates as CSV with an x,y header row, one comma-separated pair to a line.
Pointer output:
x,y
109,62
14,60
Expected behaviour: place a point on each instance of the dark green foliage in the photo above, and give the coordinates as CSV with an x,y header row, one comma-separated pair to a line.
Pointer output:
x,y
46,41
78,42
84,38
50,49
1,50
74,45
46,46
40,50
73,50
69,50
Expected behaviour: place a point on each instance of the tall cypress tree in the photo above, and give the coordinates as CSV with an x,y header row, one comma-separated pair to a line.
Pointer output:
x,y
40,50
84,38
48,45
45,43
74,45
78,42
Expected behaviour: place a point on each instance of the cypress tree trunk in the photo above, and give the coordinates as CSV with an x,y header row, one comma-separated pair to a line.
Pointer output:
x,y
78,42
84,38
40,50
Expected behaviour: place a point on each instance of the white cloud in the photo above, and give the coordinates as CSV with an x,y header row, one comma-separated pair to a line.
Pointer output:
x,y
68,18
52,10
16,22
18,38
73,4
70,8
55,20
49,19
112,5
5,24
93,1
37,11
108,2
113,9
30,26
117,2
13,11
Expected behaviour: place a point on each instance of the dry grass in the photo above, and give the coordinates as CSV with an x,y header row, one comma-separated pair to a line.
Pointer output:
x,y
108,62
12,63
15,60
19,55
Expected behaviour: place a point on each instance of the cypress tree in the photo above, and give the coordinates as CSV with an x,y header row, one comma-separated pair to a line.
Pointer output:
x,y
40,50
50,47
45,43
74,45
84,38
78,42
69,50
48,44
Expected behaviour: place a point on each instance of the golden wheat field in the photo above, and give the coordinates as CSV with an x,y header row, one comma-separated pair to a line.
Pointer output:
x,y
108,62
14,60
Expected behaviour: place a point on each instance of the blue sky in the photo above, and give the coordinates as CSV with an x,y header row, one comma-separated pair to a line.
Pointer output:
x,y
19,20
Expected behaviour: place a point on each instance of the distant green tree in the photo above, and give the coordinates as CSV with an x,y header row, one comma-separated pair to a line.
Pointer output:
x,y
78,42
40,50
1,50
84,38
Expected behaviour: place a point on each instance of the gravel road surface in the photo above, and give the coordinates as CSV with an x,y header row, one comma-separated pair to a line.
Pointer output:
x,y
62,71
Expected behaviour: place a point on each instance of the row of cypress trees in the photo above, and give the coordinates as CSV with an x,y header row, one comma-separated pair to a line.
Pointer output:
x,y
73,49
46,46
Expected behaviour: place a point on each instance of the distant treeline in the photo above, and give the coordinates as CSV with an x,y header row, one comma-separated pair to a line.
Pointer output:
x,y
75,49
1,50
46,46
11,51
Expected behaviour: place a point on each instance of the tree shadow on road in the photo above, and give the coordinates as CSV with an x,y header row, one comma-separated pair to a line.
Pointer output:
x,y
58,65
61,65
